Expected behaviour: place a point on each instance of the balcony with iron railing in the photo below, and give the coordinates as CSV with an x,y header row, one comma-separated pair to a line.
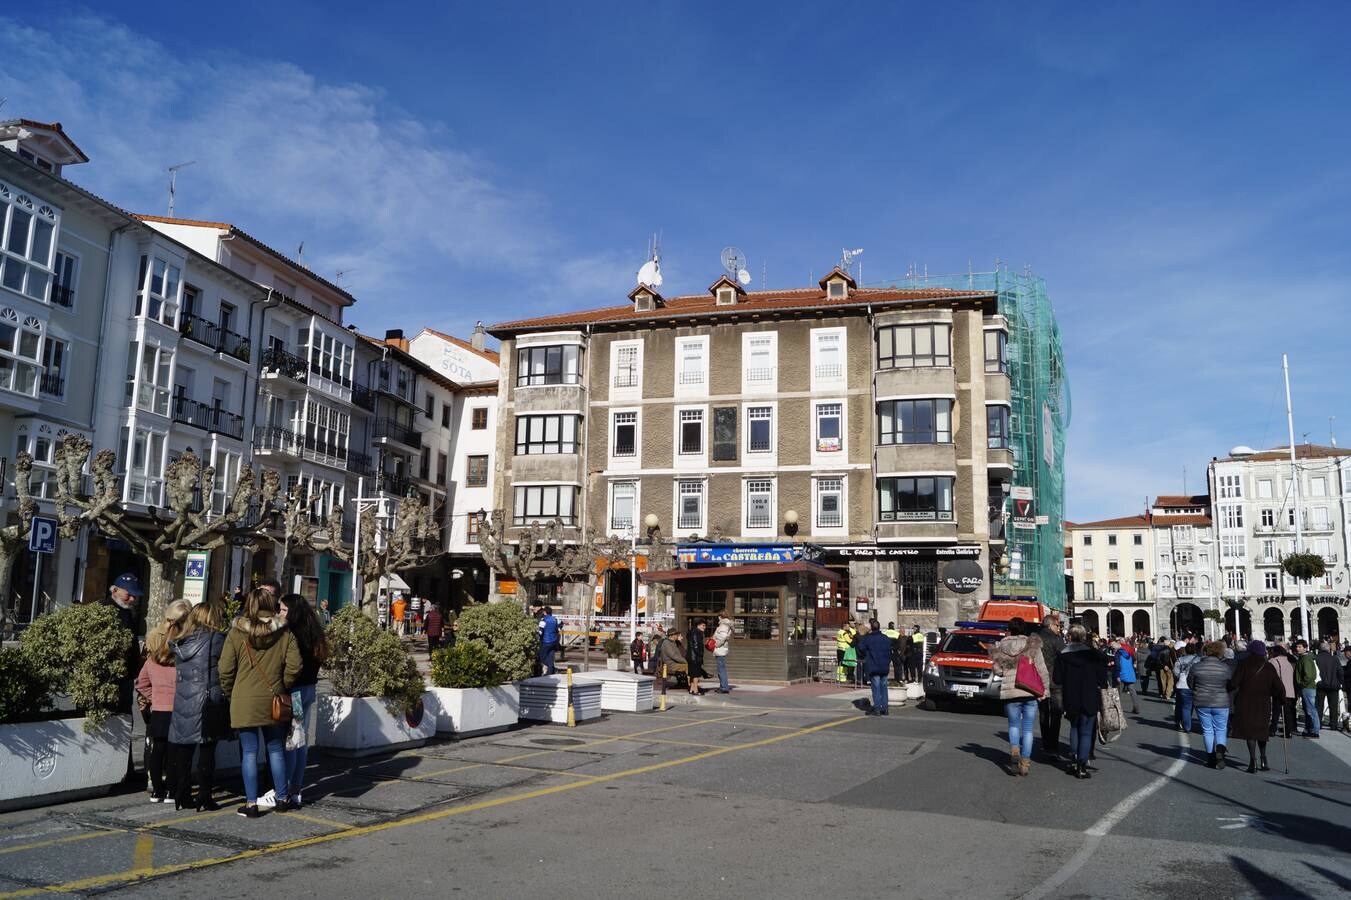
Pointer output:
x,y
363,397
359,464
393,430
208,417
63,296
273,439
279,361
211,334
390,483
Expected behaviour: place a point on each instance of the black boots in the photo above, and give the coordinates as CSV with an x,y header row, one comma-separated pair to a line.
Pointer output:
x,y
1219,756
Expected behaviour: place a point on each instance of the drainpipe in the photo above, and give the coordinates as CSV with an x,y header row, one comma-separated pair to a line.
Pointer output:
x,y
252,418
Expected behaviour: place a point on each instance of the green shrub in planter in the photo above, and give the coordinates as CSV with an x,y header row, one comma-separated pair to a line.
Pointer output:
x,y
508,633
22,696
365,661
81,652
614,647
466,664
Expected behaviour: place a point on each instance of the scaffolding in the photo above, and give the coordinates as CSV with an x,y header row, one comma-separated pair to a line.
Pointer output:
x,y
1039,416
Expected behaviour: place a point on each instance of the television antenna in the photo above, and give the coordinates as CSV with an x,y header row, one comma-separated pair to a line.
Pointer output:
x,y
734,262
339,275
173,182
650,273
847,258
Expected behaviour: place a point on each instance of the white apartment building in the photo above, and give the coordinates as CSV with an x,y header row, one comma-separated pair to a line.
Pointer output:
x,y
1112,563
471,423
1185,554
1253,506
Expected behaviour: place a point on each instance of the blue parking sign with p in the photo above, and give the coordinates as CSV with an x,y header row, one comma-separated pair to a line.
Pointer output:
x,y
42,537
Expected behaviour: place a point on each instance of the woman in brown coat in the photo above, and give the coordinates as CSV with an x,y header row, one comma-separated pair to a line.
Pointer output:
x,y
260,660
1256,685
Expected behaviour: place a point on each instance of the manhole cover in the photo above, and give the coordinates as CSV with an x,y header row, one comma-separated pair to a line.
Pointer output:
x,y
557,742
1318,785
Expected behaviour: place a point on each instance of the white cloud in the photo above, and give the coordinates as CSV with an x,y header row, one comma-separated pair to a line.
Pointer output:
x,y
369,189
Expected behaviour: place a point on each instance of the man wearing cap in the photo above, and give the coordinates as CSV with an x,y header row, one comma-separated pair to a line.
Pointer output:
x,y
122,597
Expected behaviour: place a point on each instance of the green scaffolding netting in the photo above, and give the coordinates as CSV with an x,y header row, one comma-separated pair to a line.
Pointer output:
x,y
1039,417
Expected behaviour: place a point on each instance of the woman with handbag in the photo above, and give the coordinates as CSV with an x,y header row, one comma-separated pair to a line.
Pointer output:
x,y
304,625
1081,675
1019,662
258,665
1257,691
201,716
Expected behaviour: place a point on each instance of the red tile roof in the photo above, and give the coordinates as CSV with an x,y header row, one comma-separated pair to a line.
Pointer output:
x,y
1164,520
704,306
239,232
491,355
1302,451
1183,500
1123,522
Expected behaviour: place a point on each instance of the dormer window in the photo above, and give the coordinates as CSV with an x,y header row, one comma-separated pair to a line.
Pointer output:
x,y
726,296
725,291
837,284
837,288
643,302
645,299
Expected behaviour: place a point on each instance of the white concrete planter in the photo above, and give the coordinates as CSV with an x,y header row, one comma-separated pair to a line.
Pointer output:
x,y
49,762
914,691
612,663
466,712
360,726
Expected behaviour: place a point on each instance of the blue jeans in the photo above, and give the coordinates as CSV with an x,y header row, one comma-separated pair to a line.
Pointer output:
x,y
1312,724
296,759
275,736
722,673
546,657
1214,725
1083,728
1184,708
1022,724
879,686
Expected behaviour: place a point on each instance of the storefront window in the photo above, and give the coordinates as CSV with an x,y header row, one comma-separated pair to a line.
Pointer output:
x,y
756,615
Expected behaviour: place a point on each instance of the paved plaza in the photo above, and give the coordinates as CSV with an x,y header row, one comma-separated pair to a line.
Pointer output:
x,y
769,793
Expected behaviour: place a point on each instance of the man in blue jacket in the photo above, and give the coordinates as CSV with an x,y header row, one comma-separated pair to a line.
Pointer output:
x,y
874,657
549,639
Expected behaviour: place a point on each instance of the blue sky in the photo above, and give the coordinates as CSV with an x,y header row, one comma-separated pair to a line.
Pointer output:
x,y
1178,173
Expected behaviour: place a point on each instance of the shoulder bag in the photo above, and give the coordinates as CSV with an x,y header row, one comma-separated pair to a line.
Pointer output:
x,y
1028,678
281,702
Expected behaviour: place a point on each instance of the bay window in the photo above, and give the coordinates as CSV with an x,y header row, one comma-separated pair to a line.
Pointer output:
x,y
545,502
20,352
996,351
546,434
914,422
158,290
917,499
552,364
27,238
997,426
143,459
914,346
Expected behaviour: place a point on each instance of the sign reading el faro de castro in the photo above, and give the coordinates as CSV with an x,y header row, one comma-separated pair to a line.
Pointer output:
x,y
962,576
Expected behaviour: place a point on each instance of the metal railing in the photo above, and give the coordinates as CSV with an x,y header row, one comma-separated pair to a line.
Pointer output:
x,y
63,296
52,386
283,362
273,438
389,483
359,463
210,334
362,397
207,417
396,431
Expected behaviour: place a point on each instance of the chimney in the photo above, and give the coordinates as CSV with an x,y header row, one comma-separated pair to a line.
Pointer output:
x,y
476,339
393,334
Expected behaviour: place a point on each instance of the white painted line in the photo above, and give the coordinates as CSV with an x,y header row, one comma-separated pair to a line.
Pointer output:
x,y
1110,820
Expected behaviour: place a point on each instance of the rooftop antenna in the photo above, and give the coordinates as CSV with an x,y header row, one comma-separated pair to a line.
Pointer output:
x,y
339,275
1331,436
734,261
173,182
3,101
300,252
650,273
847,258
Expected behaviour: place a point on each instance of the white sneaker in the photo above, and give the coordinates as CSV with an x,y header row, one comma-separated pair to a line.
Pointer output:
x,y
268,800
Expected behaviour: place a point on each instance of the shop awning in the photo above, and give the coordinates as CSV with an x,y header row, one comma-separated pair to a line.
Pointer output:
x,y
672,576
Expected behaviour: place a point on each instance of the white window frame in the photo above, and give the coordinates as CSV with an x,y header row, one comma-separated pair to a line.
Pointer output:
x,y
1231,516
1233,546
1264,489
676,494
77,263
1230,487
826,375
691,381
819,527
610,526
625,462
769,456
149,477
1271,580
829,457
690,460
36,273
1236,580
759,530
47,348
16,361
759,362
520,515
1318,487
633,383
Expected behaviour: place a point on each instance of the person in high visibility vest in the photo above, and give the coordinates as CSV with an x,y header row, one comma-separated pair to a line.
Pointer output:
x,y
897,655
844,652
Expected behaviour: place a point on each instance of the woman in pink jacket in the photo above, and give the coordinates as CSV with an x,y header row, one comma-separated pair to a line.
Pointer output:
x,y
155,691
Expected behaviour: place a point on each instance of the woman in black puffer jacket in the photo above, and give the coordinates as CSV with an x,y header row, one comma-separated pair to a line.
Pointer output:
x,y
201,715
1081,674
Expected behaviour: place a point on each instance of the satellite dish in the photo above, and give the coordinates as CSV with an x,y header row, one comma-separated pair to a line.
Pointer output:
x,y
733,260
743,276
650,273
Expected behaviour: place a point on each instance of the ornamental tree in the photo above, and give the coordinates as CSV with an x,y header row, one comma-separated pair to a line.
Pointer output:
x,y
538,551
183,525
14,538
411,542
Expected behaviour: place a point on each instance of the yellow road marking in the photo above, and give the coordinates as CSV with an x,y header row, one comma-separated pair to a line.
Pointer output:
x,y
327,823
100,881
141,856
68,839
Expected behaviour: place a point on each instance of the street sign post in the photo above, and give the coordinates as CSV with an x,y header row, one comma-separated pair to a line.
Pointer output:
x,y
41,541
195,573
